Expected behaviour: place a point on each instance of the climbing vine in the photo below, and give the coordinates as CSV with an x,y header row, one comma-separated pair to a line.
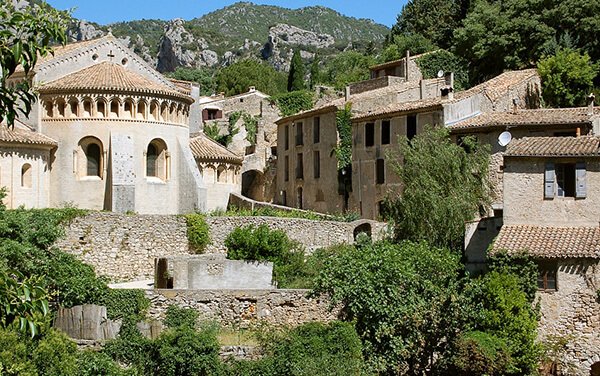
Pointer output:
x,y
251,125
343,151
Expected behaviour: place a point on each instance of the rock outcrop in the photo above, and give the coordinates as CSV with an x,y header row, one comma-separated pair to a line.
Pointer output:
x,y
179,48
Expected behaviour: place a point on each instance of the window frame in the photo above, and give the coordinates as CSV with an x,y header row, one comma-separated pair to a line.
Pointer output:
x,y
547,269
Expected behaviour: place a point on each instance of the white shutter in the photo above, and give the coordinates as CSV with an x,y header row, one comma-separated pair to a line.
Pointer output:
x,y
580,180
549,181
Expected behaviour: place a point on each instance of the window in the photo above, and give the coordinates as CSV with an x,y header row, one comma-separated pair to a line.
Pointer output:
x,y
26,176
369,134
283,198
212,114
385,132
286,167
299,198
380,171
87,108
547,276
299,167
89,157
411,126
92,155
316,130
565,180
157,160
114,108
317,164
100,109
299,134
128,109
286,136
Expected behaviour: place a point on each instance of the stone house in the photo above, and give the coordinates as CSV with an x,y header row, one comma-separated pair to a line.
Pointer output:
x,y
551,208
307,169
107,133
375,132
218,110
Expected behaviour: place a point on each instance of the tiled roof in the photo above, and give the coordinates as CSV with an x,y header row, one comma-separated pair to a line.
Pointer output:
x,y
205,149
499,85
24,136
554,147
543,116
58,51
549,242
111,77
395,108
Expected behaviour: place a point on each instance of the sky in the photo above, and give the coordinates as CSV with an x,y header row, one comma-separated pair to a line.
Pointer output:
x,y
109,11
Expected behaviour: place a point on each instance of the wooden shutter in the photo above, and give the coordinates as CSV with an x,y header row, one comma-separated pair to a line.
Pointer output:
x,y
205,114
549,177
580,183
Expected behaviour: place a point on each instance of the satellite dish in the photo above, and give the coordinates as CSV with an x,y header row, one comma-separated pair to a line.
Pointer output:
x,y
504,138
440,73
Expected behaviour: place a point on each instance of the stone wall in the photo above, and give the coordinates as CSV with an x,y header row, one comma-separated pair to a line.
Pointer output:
x,y
243,308
572,314
123,247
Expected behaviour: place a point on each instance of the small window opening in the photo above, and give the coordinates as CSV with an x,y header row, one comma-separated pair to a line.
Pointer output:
x,y
316,130
369,134
92,154
380,171
411,126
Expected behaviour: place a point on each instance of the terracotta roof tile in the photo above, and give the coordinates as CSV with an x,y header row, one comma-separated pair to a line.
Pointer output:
x,y
554,147
109,76
549,242
24,136
396,108
58,51
543,116
205,149
499,85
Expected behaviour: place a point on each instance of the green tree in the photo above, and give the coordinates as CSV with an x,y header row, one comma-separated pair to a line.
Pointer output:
x,y
436,19
567,78
347,67
293,102
415,43
238,77
500,35
203,77
26,35
430,64
315,73
296,74
443,187
23,302
403,298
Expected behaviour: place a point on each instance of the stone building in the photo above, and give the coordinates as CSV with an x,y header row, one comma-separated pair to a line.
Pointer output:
x,y
375,132
107,133
551,206
221,171
307,169
220,111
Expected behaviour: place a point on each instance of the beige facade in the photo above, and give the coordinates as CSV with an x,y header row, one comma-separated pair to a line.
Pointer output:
x,y
120,133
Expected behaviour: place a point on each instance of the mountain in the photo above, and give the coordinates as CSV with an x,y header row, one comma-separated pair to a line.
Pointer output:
x,y
237,31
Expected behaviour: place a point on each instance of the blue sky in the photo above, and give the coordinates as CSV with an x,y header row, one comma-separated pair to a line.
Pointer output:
x,y
109,11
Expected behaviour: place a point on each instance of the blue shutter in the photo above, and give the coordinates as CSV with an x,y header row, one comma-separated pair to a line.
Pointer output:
x,y
549,181
580,183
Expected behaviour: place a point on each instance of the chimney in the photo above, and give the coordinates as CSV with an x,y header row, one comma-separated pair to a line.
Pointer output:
x,y
347,93
449,82
591,98
406,65
252,89
515,102
422,89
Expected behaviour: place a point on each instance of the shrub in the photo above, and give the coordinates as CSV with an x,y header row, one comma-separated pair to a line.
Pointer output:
x,y
257,244
55,355
197,232
121,303
178,317
132,348
14,355
92,363
293,102
185,351
479,353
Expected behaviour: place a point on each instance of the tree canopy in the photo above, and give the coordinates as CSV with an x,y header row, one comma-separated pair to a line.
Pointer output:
x,y
444,185
239,76
25,35
296,73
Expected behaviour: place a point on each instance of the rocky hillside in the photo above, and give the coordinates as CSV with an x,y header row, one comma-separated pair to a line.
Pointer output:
x,y
237,31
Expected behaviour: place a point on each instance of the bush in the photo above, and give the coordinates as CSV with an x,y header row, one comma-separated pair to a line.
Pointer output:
x,y
132,348
198,232
179,317
479,353
14,355
257,244
184,351
122,303
293,102
92,363
55,355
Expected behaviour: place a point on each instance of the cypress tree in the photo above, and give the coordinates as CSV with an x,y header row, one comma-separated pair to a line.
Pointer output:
x,y
296,75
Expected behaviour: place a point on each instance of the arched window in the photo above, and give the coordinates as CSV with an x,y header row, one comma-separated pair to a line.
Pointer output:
x,y
90,159
26,176
157,160
48,109
60,106
87,108
73,108
221,174
114,108
101,108
128,109
141,110
153,115
164,111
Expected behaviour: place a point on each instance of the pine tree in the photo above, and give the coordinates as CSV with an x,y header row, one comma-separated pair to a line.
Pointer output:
x,y
296,75
315,72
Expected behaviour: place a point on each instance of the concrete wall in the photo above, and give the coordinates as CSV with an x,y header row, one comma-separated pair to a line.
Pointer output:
x,y
215,272
524,201
572,314
244,308
33,195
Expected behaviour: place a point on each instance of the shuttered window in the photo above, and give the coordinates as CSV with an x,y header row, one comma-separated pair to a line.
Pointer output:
x,y
565,180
